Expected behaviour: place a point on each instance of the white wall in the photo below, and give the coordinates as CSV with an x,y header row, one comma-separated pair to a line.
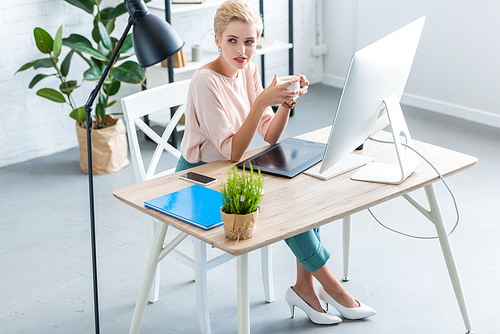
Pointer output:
x,y
456,69
31,126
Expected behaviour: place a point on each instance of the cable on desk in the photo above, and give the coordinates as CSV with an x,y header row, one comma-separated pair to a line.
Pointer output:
x,y
442,179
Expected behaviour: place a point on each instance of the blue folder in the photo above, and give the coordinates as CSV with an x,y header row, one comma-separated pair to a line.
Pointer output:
x,y
196,205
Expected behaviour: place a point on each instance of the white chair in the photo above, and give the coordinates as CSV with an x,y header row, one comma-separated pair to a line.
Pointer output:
x,y
156,100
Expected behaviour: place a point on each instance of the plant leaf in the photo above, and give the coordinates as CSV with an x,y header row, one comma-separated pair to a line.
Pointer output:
x,y
98,63
117,11
75,38
43,63
95,32
86,5
100,111
43,40
51,94
129,72
37,78
106,40
110,25
127,46
92,74
89,50
58,42
109,22
113,88
68,87
78,115
102,49
102,99
26,66
72,40
66,63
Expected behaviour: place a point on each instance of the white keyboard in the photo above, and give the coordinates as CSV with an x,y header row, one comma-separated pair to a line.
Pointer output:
x,y
349,162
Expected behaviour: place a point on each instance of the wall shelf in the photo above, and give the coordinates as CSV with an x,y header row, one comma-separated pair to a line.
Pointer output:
x,y
158,7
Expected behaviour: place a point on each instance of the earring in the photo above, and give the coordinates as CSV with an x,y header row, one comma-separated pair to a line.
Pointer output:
x,y
219,49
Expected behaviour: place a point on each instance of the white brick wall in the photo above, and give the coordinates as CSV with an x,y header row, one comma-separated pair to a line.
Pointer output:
x,y
31,126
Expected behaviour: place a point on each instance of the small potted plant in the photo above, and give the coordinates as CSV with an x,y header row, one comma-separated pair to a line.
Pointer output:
x,y
241,195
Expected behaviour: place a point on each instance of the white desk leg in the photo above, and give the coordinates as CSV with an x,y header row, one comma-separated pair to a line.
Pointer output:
x,y
346,242
200,269
266,260
437,219
149,274
243,299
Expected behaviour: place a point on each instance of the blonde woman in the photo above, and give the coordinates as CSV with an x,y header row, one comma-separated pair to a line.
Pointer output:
x,y
226,106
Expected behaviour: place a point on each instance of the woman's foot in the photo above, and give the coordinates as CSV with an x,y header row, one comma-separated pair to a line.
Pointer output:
x,y
356,311
308,294
318,317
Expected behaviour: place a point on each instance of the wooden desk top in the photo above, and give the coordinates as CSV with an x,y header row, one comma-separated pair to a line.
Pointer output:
x,y
293,206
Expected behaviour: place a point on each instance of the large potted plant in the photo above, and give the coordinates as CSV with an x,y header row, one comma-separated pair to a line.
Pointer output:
x,y
241,195
109,143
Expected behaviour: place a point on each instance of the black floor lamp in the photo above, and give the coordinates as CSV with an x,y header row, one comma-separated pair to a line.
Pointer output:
x,y
154,41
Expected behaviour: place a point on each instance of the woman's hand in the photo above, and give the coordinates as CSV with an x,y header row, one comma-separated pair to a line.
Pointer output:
x,y
304,84
277,94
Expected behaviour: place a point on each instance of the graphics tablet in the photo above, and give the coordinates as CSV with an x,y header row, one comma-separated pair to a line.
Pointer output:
x,y
287,158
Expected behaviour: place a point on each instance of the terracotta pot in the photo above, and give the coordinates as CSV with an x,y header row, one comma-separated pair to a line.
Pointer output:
x,y
109,147
239,226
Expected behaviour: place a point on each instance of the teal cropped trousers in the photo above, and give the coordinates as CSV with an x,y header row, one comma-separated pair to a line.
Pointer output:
x,y
306,247
309,250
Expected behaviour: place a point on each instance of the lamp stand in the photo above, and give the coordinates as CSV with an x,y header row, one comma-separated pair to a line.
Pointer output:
x,y
88,119
154,40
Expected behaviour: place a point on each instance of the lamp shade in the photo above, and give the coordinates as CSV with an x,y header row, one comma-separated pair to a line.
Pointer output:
x,y
154,40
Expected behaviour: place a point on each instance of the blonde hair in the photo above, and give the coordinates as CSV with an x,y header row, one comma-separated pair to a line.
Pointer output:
x,y
236,10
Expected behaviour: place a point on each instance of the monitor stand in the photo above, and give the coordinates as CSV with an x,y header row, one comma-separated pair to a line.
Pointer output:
x,y
407,159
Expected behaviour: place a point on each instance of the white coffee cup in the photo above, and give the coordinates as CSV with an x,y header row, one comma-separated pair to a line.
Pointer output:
x,y
294,86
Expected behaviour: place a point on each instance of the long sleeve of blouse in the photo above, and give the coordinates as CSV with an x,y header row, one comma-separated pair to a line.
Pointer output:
x,y
216,108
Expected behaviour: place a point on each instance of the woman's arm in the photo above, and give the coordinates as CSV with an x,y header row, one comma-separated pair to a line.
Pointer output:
x,y
278,125
243,137
268,97
272,95
280,120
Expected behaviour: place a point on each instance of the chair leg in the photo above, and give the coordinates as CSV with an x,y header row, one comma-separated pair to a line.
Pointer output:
x,y
154,294
346,242
200,272
267,272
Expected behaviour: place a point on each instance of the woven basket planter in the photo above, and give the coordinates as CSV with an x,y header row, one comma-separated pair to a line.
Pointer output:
x,y
239,226
109,147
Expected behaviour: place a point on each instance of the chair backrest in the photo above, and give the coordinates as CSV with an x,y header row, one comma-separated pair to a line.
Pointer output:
x,y
142,104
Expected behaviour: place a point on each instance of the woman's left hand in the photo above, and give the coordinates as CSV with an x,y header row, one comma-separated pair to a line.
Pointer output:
x,y
304,84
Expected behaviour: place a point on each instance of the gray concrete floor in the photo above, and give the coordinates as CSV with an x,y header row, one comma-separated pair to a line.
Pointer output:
x,y
45,276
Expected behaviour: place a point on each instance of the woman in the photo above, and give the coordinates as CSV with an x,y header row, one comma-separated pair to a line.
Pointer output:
x,y
226,107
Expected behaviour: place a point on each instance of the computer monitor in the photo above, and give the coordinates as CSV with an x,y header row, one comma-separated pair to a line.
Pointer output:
x,y
376,73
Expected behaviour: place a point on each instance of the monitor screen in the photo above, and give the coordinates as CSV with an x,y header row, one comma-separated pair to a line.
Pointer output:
x,y
376,72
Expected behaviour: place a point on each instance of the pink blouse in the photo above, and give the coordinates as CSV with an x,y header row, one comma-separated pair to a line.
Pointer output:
x,y
216,108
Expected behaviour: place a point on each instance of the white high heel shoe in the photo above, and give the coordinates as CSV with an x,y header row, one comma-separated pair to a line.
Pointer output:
x,y
320,318
363,311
